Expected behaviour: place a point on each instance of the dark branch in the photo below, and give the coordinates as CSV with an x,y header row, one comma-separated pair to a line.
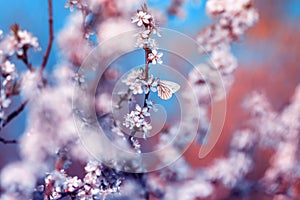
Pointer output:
x,y
14,114
72,194
147,52
51,37
4,141
24,58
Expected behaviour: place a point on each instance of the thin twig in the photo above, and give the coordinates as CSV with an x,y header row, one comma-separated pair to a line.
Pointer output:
x,y
14,114
72,194
147,52
4,141
51,37
146,98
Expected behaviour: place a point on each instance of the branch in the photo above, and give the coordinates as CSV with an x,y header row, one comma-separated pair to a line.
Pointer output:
x,y
15,28
51,37
147,52
24,58
4,141
72,194
14,114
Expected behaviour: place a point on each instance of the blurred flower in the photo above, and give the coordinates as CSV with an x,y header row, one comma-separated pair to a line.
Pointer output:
x,y
5,102
223,60
71,40
8,67
112,27
30,84
71,4
229,171
104,103
18,176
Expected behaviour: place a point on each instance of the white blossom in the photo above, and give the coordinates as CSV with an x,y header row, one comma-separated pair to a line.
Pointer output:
x,y
18,41
26,39
136,120
223,60
8,67
134,81
31,84
71,4
150,84
141,18
155,57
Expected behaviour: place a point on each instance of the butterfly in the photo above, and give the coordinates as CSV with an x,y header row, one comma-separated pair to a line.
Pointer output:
x,y
166,89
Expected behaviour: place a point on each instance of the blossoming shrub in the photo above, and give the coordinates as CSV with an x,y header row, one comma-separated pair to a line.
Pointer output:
x,y
54,163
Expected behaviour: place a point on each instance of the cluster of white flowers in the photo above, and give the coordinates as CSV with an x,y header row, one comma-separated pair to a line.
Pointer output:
x,y
77,39
75,3
50,128
104,179
261,110
142,17
98,182
200,183
19,41
9,74
5,102
136,82
234,18
136,120
230,171
133,81
280,131
155,57
72,42
238,15
147,23
58,183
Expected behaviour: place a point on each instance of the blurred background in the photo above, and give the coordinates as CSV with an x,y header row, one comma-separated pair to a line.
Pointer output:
x,y
268,57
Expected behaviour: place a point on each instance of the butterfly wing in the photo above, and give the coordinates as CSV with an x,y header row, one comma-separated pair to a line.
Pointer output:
x,y
164,92
165,89
171,85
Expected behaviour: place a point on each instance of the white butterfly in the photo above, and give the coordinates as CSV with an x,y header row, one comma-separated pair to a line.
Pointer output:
x,y
166,89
